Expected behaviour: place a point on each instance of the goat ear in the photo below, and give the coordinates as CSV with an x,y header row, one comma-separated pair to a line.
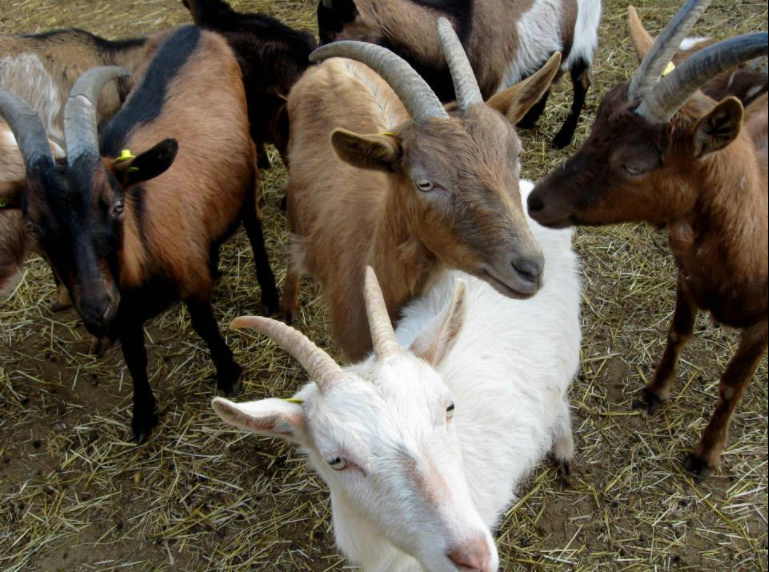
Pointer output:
x,y
270,417
132,170
377,152
436,341
642,40
11,193
516,101
719,127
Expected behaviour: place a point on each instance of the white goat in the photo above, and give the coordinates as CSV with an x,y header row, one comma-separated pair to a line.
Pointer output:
x,y
423,449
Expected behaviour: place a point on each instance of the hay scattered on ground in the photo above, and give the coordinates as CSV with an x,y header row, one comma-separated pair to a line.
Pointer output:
x,y
75,495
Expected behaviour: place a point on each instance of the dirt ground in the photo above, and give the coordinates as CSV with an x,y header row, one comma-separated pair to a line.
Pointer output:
x,y
75,494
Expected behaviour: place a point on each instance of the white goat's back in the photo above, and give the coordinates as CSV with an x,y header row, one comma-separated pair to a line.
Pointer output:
x,y
510,368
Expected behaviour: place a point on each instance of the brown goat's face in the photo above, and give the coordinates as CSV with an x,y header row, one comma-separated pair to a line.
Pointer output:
x,y
75,214
458,182
632,170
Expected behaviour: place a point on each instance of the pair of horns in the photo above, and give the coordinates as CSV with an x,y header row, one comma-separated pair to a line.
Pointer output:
x,y
80,121
418,97
660,99
317,363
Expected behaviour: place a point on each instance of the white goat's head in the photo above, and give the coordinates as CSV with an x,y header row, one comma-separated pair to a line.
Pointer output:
x,y
380,434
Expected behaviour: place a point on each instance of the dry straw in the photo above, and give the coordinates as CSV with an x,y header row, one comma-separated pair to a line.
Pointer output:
x,y
75,495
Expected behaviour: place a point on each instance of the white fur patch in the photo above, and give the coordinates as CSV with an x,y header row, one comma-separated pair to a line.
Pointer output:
x,y
689,43
539,35
25,76
585,32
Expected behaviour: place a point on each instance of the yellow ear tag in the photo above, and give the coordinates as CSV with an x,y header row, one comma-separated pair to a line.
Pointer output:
x,y
389,134
295,401
670,69
125,155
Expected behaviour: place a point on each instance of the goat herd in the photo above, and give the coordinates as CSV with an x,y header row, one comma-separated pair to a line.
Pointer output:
x,y
127,164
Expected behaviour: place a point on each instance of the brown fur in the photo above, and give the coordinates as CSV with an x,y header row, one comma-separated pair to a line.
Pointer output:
x,y
347,217
703,177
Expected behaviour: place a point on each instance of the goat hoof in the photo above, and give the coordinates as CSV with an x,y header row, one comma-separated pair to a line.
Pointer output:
x,y
229,382
142,427
562,140
271,303
698,467
649,401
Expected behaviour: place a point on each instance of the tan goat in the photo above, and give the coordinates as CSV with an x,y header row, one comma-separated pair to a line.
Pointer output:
x,y
382,175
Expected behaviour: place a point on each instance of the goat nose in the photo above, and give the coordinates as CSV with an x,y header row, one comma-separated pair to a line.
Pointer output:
x,y
536,204
529,268
473,555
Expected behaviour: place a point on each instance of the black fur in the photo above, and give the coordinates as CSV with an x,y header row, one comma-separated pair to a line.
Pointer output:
x,y
272,57
147,101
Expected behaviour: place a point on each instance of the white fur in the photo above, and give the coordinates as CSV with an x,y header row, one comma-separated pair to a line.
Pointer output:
x,y
508,374
539,36
25,76
585,32
689,43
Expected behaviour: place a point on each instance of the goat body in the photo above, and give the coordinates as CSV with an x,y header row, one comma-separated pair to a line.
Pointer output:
x,y
272,57
506,40
504,377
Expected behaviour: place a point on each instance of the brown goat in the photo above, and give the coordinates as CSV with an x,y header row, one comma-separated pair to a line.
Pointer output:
x,y
660,151
382,175
130,235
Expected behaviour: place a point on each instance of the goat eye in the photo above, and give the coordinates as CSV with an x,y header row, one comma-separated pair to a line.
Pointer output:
x,y
425,186
338,464
118,208
633,170
450,411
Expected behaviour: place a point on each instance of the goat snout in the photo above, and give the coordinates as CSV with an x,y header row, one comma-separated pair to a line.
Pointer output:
x,y
472,555
530,269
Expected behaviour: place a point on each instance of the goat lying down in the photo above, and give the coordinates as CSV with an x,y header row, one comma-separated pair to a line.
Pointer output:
x,y
424,448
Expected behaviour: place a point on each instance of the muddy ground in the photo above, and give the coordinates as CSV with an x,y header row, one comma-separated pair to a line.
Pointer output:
x,y
76,494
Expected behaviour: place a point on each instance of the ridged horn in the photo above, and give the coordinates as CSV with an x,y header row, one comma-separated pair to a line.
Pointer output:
x,y
465,84
320,366
672,92
665,47
27,129
380,326
419,99
80,121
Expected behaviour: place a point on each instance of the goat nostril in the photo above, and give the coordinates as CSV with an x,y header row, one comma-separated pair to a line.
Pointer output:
x,y
530,269
536,204
472,556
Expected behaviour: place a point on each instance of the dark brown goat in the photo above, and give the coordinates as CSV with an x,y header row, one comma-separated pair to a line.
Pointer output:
x,y
129,235
272,57
660,151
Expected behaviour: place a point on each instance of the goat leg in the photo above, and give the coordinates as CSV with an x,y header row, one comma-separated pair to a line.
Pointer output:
x,y
580,80
738,374
264,274
658,391
135,354
204,323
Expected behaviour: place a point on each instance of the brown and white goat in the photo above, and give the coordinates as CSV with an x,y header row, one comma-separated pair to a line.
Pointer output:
x,y
506,41
382,175
130,235
661,151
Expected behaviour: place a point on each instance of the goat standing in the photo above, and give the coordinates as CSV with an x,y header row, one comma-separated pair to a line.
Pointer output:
x,y
129,235
660,151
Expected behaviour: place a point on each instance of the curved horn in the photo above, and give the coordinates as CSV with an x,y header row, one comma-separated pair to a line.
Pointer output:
x,y
419,99
318,364
27,129
670,94
665,47
465,84
380,326
80,121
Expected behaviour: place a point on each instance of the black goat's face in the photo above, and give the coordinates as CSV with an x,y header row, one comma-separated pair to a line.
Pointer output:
x,y
76,213
340,20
